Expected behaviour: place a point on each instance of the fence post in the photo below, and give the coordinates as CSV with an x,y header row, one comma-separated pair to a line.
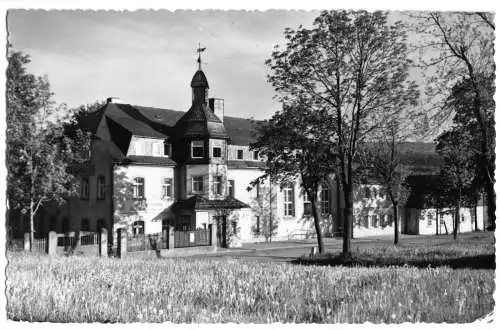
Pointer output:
x,y
171,237
103,243
26,241
213,236
52,243
122,242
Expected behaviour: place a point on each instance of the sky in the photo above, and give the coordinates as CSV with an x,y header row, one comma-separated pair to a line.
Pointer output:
x,y
149,57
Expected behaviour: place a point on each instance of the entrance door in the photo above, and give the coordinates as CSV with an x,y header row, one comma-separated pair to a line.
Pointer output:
x,y
221,223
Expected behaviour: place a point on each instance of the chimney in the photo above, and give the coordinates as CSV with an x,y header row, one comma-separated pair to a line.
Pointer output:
x,y
217,107
114,99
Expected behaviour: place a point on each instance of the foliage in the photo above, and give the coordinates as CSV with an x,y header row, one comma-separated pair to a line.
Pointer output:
x,y
344,77
462,45
38,152
263,206
79,289
293,151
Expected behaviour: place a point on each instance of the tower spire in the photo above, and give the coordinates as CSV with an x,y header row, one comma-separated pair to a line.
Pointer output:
x,y
200,50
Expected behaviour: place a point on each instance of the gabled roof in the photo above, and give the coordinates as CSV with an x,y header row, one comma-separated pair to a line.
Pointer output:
x,y
198,202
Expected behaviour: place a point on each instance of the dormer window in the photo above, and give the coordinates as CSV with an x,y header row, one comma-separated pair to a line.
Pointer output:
x,y
197,149
167,149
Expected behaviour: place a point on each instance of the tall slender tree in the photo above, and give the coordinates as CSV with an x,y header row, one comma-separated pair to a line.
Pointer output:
x,y
350,69
38,153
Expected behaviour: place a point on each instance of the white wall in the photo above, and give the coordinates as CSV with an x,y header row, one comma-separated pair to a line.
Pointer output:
x,y
128,210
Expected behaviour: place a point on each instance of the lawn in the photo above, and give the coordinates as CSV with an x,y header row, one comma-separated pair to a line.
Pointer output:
x,y
470,250
79,289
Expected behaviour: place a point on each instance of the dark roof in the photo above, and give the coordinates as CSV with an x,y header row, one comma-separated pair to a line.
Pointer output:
x,y
199,80
241,131
147,160
198,202
200,121
157,122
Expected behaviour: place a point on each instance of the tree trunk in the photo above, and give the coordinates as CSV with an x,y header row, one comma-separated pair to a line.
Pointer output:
x,y
490,204
437,221
32,225
270,211
475,217
317,226
455,223
396,223
348,214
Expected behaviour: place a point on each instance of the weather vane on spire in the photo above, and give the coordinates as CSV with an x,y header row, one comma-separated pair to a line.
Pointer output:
x,y
200,50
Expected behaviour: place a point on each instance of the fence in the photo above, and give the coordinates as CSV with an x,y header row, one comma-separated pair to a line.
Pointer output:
x,y
147,242
191,238
40,245
87,243
169,242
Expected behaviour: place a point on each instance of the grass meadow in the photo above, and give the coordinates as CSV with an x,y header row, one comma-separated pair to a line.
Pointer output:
x,y
83,289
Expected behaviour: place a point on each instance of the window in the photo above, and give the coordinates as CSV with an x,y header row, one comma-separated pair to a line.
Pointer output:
x,y
325,201
197,149
197,184
234,226
255,155
85,226
218,185
230,187
166,188
389,219
240,154
257,190
257,225
101,185
367,192
138,228
138,192
307,204
217,152
101,223
366,220
289,200
84,188
148,146
166,148
374,219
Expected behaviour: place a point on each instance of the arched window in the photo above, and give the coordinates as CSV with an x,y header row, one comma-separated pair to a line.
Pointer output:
x,y
138,228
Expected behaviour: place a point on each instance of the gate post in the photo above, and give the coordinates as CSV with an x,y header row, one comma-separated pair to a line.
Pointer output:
x,y
171,237
52,243
26,241
213,236
103,243
122,242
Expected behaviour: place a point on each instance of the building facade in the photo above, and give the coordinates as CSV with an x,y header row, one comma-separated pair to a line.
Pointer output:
x,y
150,168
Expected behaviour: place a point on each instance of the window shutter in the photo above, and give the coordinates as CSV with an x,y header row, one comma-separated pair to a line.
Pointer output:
x,y
189,187
293,199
